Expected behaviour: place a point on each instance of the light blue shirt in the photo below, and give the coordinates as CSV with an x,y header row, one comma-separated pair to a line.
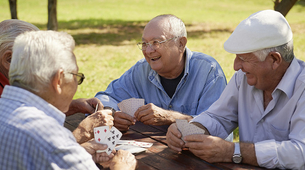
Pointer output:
x,y
278,131
32,135
202,83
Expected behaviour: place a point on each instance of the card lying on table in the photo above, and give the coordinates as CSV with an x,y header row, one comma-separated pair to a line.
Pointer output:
x,y
131,149
188,129
104,135
135,143
130,106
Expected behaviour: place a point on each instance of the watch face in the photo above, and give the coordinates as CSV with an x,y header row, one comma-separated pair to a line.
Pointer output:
x,y
237,159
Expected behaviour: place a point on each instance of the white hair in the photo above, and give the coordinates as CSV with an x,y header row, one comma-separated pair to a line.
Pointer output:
x,y
10,29
286,51
37,56
176,25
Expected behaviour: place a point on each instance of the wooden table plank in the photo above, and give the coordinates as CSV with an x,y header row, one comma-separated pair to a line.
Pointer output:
x,y
161,157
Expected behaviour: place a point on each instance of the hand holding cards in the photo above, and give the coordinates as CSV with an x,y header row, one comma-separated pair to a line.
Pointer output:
x,y
130,106
188,129
104,135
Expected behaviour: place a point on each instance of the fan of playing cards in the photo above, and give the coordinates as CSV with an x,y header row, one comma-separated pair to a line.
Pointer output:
x,y
112,136
107,136
130,106
188,129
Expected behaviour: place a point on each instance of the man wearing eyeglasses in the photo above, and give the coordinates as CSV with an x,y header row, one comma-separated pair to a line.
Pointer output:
x,y
175,82
44,78
9,30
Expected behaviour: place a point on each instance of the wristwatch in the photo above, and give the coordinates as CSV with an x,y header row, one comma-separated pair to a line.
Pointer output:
x,y
110,108
237,155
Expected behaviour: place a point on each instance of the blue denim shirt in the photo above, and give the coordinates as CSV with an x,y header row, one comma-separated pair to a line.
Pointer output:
x,y
202,83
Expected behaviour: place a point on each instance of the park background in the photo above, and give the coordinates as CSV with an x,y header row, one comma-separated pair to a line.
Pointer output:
x,y
106,31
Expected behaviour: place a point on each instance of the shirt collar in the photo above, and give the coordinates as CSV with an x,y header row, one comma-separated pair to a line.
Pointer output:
x,y
29,99
288,80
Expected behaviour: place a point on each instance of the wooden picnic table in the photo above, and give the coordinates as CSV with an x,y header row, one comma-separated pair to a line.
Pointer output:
x,y
159,156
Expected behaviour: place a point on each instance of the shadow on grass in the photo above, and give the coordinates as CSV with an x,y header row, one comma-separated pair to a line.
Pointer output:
x,y
116,32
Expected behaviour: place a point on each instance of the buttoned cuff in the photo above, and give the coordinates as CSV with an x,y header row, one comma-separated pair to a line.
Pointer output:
x,y
266,154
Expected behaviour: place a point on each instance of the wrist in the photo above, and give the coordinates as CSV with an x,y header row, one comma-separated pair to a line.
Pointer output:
x,y
110,108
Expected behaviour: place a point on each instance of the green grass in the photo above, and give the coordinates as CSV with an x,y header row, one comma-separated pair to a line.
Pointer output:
x,y
106,31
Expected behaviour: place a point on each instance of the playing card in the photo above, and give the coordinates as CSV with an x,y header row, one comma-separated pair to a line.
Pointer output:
x,y
131,149
105,136
100,133
188,129
135,143
112,139
130,106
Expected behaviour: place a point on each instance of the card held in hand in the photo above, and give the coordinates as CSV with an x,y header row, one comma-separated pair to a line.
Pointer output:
x,y
188,129
130,106
104,135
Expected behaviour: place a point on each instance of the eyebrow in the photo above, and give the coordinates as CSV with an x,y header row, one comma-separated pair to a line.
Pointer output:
x,y
156,38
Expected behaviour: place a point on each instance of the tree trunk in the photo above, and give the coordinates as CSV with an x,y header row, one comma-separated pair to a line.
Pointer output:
x,y
52,15
13,8
284,6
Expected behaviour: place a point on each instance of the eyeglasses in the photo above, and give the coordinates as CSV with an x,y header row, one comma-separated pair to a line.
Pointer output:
x,y
153,45
80,77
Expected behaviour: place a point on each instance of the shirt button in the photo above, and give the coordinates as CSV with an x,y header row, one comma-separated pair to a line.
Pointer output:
x,y
170,106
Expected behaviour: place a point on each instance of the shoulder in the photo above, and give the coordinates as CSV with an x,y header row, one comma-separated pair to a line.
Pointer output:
x,y
43,129
199,58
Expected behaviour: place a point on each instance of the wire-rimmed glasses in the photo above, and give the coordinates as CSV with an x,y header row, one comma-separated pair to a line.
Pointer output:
x,y
153,44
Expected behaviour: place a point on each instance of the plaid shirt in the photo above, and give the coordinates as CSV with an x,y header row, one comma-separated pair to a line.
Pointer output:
x,y
32,135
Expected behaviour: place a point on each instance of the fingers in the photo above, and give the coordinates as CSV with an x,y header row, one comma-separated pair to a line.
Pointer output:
x,y
92,103
92,147
102,157
173,138
102,118
142,112
122,121
195,138
123,160
136,114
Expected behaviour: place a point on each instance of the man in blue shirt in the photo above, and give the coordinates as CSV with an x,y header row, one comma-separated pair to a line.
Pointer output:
x,y
175,82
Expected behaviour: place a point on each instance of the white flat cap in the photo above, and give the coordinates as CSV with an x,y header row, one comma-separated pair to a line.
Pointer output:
x,y
263,29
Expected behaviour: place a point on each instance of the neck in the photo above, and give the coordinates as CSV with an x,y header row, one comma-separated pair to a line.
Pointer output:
x,y
4,71
277,78
177,70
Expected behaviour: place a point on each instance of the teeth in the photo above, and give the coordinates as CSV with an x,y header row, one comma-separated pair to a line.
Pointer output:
x,y
155,58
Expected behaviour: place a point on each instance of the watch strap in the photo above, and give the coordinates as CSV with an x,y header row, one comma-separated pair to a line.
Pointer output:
x,y
237,149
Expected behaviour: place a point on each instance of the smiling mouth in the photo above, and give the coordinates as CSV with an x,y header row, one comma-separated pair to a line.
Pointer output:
x,y
155,59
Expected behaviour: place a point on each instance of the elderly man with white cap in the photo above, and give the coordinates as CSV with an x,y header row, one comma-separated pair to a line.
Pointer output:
x,y
265,99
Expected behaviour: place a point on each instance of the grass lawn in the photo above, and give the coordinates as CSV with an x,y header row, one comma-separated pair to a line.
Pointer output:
x,y
106,32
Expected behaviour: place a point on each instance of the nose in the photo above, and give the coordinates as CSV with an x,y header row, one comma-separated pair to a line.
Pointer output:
x,y
237,64
149,49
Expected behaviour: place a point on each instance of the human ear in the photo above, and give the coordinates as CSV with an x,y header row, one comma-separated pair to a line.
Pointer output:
x,y
182,44
6,59
276,59
57,81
